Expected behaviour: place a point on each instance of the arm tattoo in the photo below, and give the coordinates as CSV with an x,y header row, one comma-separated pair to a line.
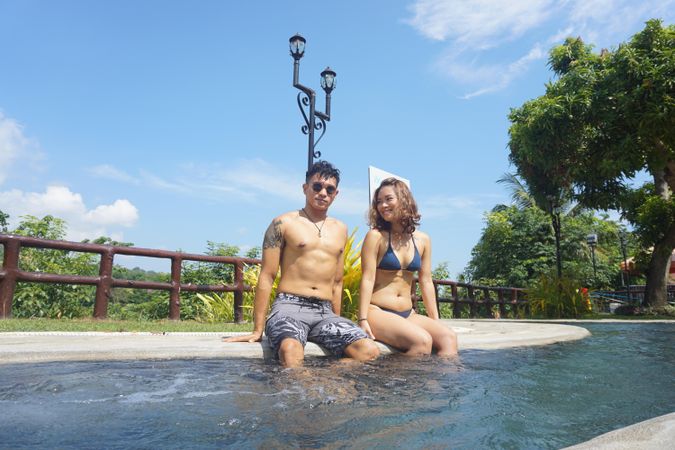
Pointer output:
x,y
273,237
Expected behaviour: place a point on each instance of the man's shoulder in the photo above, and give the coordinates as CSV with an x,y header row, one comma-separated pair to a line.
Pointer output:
x,y
337,223
285,217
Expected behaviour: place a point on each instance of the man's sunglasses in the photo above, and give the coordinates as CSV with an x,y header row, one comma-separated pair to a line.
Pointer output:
x,y
317,187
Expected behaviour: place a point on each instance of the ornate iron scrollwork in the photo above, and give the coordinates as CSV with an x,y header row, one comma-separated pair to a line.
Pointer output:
x,y
319,123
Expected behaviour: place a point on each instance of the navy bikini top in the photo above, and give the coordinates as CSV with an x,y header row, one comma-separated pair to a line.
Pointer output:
x,y
391,262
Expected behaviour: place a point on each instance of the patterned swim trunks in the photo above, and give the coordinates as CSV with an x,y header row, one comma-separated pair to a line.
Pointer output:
x,y
309,319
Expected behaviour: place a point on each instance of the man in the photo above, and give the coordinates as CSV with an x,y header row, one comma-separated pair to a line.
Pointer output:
x,y
309,246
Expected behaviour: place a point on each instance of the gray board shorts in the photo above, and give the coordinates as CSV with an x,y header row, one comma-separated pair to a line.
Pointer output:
x,y
309,319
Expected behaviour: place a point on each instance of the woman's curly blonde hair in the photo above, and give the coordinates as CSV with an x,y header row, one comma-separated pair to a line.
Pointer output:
x,y
410,217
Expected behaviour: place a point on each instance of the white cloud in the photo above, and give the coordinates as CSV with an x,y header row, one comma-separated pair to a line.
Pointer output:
x,y
471,27
121,212
15,146
61,202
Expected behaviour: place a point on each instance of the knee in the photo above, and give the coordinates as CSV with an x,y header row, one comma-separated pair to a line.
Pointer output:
x,y
363,350
447,344
421,345
291,353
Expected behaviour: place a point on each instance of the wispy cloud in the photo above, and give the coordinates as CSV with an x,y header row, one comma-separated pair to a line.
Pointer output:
x,y
110,172
502,77
478,24
260,178
245,180
448,206
155,181
60,201
470,28
15,147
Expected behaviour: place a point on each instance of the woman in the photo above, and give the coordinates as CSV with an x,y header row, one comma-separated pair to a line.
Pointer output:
x,y
392,252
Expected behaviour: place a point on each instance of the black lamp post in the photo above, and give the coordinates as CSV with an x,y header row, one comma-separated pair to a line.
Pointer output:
x,y
314,120
555,221
592,241
622,241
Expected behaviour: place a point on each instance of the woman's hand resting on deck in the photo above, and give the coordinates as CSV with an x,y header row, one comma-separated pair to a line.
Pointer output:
x,y
365,326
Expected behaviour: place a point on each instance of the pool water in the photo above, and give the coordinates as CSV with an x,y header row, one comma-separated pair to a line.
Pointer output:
x,y
537,397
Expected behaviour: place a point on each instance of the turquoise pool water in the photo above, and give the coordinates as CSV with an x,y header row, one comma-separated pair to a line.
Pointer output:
x,y
538,397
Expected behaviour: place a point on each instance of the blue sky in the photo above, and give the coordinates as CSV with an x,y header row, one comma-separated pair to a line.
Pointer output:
x,y
174,123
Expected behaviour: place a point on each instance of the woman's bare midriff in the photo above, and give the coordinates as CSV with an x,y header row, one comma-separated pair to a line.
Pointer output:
x,y
392,290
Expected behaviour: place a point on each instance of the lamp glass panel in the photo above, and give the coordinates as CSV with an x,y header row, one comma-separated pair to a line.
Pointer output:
x,y
297,47
328,81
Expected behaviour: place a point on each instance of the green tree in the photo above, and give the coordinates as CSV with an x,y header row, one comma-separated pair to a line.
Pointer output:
x,y
47,299
605,118
4,222
517,248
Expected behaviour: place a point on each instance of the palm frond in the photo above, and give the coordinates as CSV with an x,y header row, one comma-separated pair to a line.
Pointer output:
x,y
520,195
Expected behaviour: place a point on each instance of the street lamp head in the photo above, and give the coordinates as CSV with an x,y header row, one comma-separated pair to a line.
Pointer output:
x,y
297,46
328,80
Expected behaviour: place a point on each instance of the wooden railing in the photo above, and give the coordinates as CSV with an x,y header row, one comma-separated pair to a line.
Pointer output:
x,y
104,282
480,299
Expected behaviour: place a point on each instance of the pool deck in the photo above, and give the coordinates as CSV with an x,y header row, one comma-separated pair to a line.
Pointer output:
x,y
32,347
482,334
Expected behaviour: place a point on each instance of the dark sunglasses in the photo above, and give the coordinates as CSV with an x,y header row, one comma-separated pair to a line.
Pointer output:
x,y
317,187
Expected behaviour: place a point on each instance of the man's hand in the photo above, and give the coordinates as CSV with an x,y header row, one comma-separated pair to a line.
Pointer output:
x,y
253,337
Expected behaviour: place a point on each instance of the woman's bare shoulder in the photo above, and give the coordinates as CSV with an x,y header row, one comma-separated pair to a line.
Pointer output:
x,y
374,233
421,236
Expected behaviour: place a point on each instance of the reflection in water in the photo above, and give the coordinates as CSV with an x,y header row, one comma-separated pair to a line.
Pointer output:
x,y
539,397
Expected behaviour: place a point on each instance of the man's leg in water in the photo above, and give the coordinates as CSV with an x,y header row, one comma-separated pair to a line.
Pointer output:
x,y
291,353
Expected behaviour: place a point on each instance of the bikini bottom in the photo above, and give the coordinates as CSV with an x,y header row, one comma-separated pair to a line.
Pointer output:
x,y
405,314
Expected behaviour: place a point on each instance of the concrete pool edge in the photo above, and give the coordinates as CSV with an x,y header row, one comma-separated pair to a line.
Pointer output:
x,y
33,347
653,434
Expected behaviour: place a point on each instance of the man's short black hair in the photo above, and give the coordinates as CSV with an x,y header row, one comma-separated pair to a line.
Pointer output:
x,y
325,169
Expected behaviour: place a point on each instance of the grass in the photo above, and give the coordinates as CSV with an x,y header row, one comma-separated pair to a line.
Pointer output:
x,y
159,326
645,317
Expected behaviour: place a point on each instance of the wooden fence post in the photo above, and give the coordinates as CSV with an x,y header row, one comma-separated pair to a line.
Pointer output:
x,y
488,302
472,300
514,301
104,285
456,307
8,282
502,306
174,295
239,292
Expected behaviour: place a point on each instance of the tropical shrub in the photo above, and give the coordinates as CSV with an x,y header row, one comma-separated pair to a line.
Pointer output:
x,y
351,280
216,307
556,298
